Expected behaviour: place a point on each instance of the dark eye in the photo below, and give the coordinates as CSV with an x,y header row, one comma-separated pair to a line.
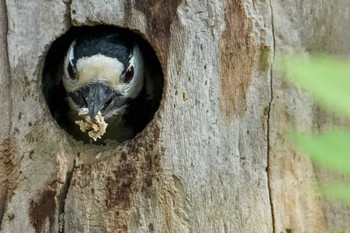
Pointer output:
x,y
129,74
71,70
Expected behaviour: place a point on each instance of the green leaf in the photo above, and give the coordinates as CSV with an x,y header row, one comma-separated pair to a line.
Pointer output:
x,y
331,149
340,192
326,78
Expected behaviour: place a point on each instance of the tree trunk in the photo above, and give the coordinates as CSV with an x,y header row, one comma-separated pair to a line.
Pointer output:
x,y
216,156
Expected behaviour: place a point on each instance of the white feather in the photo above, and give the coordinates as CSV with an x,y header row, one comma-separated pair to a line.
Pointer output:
x,y
133,88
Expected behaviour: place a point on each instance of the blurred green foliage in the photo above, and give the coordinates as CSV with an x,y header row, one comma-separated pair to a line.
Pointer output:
x,y
328,81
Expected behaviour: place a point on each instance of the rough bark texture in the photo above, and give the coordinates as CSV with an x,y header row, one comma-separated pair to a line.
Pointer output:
x,y
215,158
310,27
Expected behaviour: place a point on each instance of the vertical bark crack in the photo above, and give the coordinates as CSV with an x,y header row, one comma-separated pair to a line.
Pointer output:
x,y
7,66
68,10
63,198
5,41
65,188
268,120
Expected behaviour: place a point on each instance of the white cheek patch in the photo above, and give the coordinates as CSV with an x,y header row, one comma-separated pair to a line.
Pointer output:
x,y
99,68
133,89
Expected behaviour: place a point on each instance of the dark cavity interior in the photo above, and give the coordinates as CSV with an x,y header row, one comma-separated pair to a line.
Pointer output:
x,y
138,116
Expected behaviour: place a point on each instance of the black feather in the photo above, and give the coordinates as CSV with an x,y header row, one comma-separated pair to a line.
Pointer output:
x,y
110,45
140,111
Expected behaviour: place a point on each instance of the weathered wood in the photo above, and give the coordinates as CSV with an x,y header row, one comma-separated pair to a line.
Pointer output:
x,y
311,27
5,82
215,158
35,146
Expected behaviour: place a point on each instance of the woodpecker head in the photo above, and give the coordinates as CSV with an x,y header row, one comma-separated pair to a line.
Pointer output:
x,y
102,73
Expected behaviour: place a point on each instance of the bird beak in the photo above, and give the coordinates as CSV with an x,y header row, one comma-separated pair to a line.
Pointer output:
x,y
96,97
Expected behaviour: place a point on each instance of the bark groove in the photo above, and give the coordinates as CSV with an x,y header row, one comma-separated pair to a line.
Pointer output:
x,y
269,178
63,197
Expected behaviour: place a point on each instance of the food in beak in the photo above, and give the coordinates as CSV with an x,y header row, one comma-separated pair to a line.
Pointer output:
x,y
95,127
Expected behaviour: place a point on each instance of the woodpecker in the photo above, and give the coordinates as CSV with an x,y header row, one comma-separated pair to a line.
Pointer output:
x,y
106,73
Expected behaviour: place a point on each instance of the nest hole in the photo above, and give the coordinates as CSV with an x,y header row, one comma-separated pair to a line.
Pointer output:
x,y
139,113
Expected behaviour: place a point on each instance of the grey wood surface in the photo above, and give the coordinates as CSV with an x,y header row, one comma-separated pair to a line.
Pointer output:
x,y
215,158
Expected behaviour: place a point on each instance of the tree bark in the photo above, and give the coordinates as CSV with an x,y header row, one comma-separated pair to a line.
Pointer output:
x,y
216,156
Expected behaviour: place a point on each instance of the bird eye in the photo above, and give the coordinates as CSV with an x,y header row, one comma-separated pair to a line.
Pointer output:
x,y
71,70
129,74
